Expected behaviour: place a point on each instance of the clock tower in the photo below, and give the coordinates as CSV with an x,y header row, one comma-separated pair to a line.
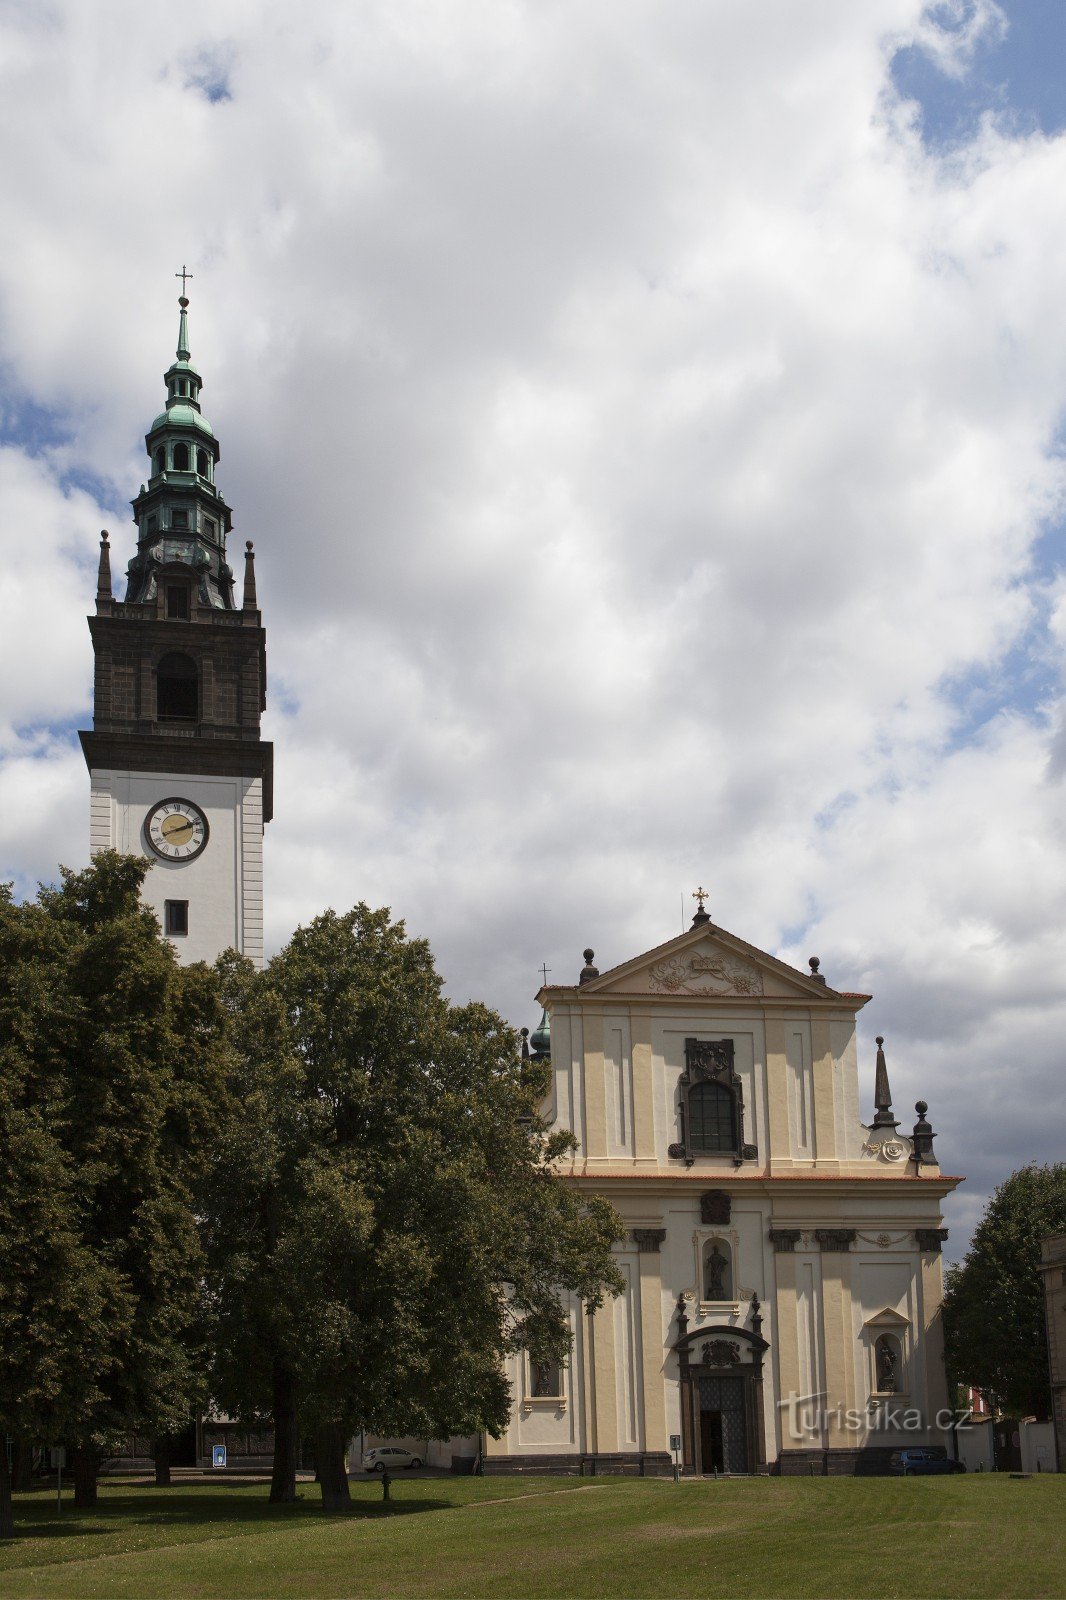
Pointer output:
x,y
178,770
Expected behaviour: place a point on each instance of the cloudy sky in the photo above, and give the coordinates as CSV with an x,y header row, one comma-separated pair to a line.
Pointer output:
x,y
649,417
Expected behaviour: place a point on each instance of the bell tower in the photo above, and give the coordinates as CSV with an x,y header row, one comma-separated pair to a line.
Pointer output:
x,y
177,767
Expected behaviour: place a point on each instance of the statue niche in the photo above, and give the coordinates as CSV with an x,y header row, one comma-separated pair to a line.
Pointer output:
x,y
717,1271
886,1358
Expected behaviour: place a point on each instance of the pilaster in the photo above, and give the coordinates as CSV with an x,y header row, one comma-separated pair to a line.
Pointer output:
x,y
777,1109
643,1088
595,1085
825,1146
653,1347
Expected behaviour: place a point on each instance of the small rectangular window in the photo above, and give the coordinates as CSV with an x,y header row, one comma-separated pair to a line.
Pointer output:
x,y
153,524
178,601
176,916
209,528
180,519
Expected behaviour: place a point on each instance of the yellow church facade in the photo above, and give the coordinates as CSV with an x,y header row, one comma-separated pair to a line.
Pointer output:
x,y
782,1254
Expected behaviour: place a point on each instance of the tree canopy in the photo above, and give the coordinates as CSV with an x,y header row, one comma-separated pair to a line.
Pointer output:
x,y
384,1221
112,1061
994,1304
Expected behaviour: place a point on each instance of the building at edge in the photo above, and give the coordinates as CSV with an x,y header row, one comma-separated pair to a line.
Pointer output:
x,y
782,1255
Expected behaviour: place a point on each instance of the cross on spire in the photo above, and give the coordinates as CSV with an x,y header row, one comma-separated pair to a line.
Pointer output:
x,y
701,895
544,973
183,275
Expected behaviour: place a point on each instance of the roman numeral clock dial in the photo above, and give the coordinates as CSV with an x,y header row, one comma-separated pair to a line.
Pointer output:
x,y
176,829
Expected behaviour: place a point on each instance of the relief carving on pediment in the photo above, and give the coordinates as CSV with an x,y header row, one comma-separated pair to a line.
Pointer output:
x,y
704,973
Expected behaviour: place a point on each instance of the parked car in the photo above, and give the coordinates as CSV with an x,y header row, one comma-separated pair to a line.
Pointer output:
x,y
916,1461
390,1457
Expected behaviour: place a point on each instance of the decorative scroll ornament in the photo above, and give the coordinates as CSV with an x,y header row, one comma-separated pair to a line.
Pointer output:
x,y
705,974
835,1241
648,1240
715,1206
721,1353
886,1149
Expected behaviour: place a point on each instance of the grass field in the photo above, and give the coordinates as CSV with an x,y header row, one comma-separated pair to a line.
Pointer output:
x,y
973,1536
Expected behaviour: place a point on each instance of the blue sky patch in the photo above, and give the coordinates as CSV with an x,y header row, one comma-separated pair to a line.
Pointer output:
x,y
1017,76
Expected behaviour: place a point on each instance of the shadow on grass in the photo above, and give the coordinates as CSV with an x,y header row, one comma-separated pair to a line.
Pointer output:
x,y
52,1530
190,1511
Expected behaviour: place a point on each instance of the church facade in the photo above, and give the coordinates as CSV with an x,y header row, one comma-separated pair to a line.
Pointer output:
x,y
178,770
782,1256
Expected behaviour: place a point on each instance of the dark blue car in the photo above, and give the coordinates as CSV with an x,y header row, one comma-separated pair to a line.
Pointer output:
x,y
919,1460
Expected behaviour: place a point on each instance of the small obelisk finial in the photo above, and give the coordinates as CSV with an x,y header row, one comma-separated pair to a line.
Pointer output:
x,y
700,895
103,571
883,1117
182,351
250,602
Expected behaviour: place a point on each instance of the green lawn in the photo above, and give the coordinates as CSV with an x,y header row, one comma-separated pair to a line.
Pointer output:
x,y
974,1536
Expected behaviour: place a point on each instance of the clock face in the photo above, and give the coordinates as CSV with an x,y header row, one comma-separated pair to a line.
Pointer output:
x,y
176,830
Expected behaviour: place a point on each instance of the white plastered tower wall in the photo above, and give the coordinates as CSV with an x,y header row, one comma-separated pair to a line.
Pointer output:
x,y
223,886
830,1230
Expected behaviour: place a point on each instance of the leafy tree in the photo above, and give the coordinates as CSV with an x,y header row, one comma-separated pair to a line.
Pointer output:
x,y
994,1304
120,1060
384,1223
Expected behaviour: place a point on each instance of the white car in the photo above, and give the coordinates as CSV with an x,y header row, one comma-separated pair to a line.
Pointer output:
x,y
389,1457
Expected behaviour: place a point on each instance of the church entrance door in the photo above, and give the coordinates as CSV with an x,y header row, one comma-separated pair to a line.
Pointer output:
x,y
723,1425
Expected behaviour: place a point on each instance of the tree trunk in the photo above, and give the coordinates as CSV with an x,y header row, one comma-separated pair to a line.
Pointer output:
x,y
22,1465
286,1438
7,1511
85,1462
161,1453
332,1468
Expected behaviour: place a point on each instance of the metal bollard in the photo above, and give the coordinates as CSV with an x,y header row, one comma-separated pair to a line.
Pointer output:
x,y
386,1484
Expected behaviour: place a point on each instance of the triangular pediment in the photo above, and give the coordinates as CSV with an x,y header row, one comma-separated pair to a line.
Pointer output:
x,y
707,961
886,1318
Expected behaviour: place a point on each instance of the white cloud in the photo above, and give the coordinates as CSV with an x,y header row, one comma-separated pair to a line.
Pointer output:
x,y
645,439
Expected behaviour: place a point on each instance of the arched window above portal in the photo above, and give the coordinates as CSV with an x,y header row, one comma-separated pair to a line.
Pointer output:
x,y
177,688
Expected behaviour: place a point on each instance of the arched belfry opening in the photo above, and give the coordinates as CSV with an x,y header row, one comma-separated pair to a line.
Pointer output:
x,y
177,688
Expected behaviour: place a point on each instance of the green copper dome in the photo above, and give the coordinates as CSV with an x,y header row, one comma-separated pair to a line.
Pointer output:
x,y
182,415
540,1039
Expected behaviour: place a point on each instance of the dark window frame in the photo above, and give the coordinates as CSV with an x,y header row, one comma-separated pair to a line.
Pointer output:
x,y
710,1062
176,918
178,601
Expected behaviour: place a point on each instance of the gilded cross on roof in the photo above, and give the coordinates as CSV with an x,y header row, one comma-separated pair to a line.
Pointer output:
x,y
701,895
183,275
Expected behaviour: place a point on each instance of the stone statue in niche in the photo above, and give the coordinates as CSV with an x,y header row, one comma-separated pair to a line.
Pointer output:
x,y
887,1364
717,1268
545,1383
